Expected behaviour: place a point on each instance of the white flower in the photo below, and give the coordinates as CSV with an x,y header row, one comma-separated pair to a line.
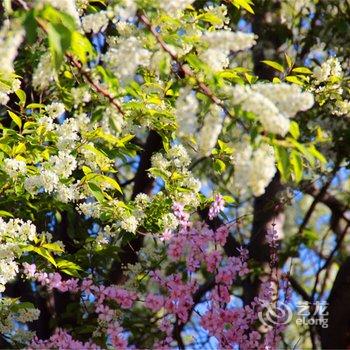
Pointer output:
x,y
27,315
254,169
11,37
55,109
126,57
174,6
66,194
8,271
81,95
126,10
14,167
4,98
95,22
13,233
210,131
142,200
92,209
43,74
63,164
221,43
48,180
288,98
273,104
67,133
170,221
186,109
129,224
179,156
329,68
112,121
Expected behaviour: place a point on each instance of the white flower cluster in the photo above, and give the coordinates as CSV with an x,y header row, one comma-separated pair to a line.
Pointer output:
x,y
174,6
126,10
63,164
186,109
14,167
210,131
254,169
11,85
220,12
11,37
43,74
129,224
13,312
328,88
47,180
126,57
27,315
220,43
176,160
12,234
329,68
89,209
55,109
95,22
81,95
58,167
67,134
170,221
273,104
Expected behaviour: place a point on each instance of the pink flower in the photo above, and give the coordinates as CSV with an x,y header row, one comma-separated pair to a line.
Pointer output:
x,y
217,206
29,269
154,302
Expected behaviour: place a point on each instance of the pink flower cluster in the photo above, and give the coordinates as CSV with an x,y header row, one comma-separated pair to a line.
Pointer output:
x,y
217,206
193,250
61,340
51,280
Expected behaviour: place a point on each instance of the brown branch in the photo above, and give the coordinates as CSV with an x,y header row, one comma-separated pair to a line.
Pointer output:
x,y
93,84
317,199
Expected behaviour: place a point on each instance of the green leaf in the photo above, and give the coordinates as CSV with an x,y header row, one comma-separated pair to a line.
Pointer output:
x,y
274,65
289,61
294,80
31,26
229,199
283,164
245,4
96,191
45,254
22,97
16,119
294,129
54,247
110,181
312,149
35,106
302,70
297,164
81,47
4,213
219,166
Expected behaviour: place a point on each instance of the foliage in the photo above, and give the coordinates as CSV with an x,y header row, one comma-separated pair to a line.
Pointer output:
x,y
136,135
